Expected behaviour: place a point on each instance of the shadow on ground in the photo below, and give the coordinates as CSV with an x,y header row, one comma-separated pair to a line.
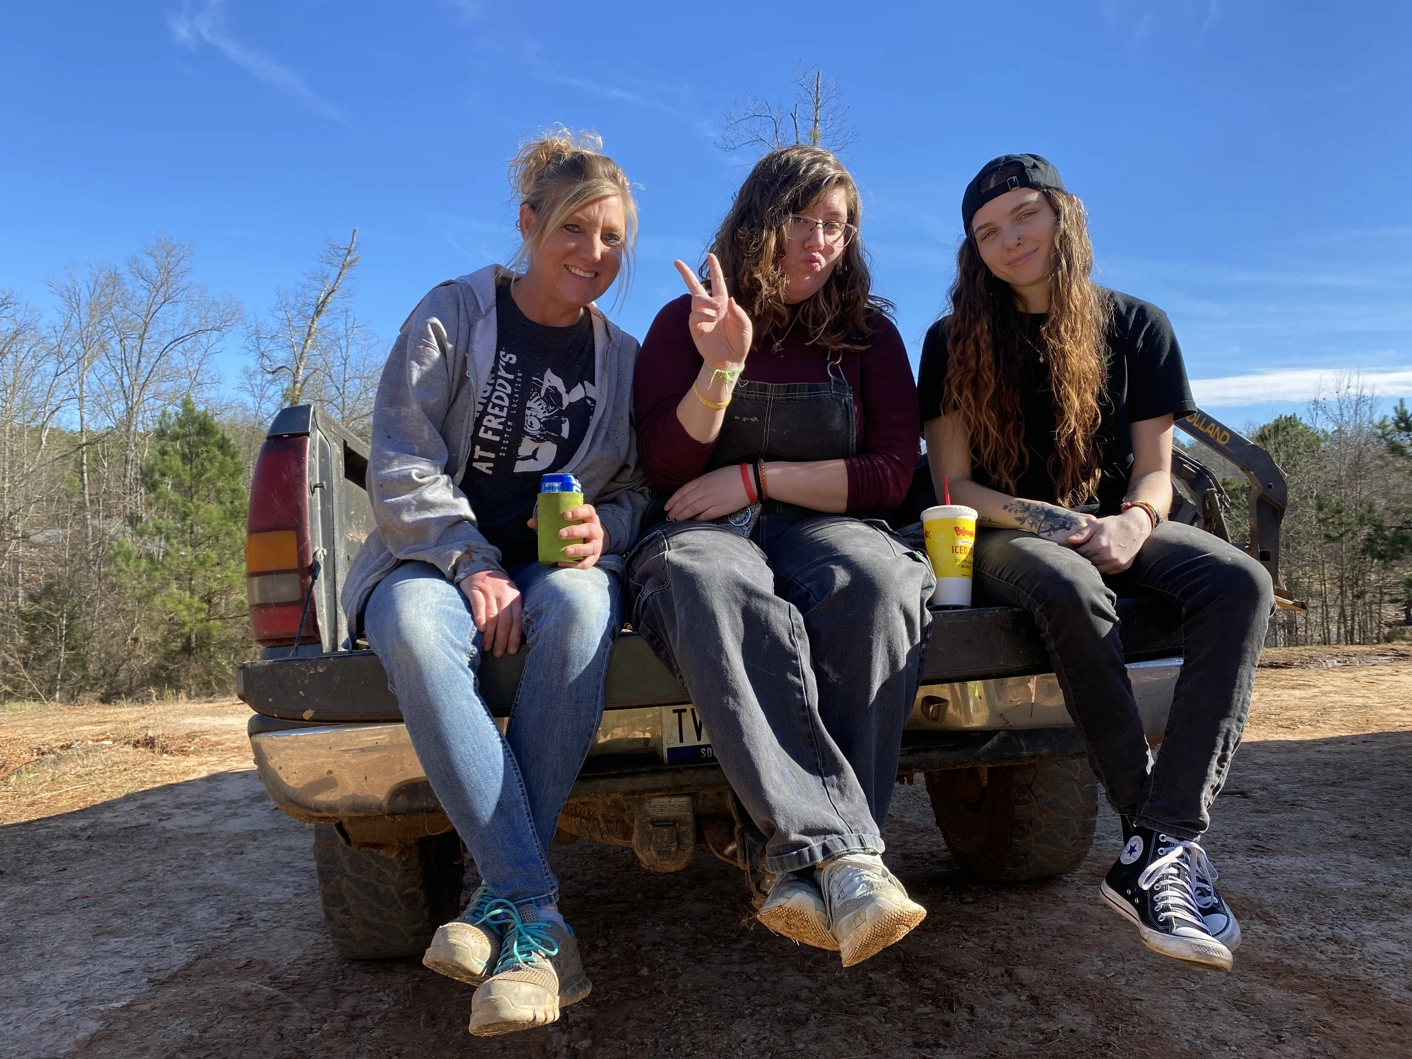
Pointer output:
x,y
183,921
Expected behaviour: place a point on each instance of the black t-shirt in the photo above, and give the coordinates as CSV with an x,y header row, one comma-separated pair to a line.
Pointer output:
x,y
1144,379
533,415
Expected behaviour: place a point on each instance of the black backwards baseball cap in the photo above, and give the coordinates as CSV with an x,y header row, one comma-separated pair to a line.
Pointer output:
x,y
1006,173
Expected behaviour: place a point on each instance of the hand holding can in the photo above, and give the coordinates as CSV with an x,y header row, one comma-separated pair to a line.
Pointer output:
x,y
558,493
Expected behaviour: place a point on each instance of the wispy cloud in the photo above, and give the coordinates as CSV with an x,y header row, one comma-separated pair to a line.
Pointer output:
x,y
647,96
191,28
467,9
1137,19
1300,385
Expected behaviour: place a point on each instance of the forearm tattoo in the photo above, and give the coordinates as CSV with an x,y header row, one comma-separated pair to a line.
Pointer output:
x,y
1041,518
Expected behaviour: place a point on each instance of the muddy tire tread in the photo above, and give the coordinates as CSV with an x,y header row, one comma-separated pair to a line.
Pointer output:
x,y
1032,821
382,905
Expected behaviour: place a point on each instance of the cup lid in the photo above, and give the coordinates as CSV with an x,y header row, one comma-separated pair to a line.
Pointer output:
x,y
949,511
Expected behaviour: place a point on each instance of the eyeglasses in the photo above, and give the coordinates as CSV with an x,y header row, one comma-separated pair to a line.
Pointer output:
x,y
836,233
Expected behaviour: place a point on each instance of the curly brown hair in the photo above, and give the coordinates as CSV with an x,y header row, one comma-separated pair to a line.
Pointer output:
x,y
987,329
750,245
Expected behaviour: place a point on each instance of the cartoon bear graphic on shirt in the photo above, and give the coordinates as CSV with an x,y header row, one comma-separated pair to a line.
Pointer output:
x,y
546,424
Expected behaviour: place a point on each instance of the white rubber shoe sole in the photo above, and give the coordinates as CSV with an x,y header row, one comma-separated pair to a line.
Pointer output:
x,y
461,951
1204,952
522,998
799,916
876,926
510,1010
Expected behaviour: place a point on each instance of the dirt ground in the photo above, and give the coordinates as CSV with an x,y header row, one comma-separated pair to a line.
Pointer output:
x,y
154,904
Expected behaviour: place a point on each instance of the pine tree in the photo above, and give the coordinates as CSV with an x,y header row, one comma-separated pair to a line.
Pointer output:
x,y
186,563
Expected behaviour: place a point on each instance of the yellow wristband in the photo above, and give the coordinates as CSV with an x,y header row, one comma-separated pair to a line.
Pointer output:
x,y
715,406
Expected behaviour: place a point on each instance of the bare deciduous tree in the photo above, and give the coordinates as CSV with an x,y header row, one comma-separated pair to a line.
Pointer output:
x,y
288,347
351,363
80,339
162,331
817,116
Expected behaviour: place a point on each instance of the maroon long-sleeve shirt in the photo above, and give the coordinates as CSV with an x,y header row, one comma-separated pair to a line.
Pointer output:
x,y
884,404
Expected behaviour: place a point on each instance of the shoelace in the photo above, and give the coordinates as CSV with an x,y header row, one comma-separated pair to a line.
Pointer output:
x,y
486,909
524,942
1174,897
847,881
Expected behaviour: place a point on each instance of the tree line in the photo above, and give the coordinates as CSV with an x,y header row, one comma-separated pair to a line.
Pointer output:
x,y
125,463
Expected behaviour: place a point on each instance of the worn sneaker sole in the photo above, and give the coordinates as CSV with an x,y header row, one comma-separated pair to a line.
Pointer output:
x,y
497,1015
886,923
797,924
1210,954
452,956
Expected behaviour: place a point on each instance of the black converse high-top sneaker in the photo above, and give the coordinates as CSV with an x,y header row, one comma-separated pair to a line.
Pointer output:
x,y
1151,884
1219,919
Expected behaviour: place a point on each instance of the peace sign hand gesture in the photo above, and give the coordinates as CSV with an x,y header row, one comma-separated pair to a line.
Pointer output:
x,y
720,328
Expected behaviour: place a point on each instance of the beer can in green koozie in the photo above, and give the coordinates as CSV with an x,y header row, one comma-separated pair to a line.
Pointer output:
x,y
557,494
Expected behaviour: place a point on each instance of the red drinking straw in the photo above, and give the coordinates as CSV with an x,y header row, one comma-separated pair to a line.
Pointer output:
x,y
946,490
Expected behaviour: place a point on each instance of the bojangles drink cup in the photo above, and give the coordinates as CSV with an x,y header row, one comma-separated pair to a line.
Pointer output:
x,y
951,535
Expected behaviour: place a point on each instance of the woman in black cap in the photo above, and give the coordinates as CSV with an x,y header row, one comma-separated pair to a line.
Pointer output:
x,y
1048,404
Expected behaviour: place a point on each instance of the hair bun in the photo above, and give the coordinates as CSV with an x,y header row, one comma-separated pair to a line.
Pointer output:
x,y
536,159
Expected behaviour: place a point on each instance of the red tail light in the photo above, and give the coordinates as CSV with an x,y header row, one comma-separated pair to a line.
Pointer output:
x,y
278,553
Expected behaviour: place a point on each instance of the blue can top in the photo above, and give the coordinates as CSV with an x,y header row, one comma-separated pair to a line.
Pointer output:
x,y
559,483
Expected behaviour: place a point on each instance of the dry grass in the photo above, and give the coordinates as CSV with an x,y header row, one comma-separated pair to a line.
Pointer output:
x,y
57,758
54,759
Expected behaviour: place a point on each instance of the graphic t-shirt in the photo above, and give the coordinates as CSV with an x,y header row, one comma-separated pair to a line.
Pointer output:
x,y
533,414
1144,378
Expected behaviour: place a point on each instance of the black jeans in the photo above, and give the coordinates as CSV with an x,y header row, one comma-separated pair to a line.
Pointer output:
x,y
1225,598
802,650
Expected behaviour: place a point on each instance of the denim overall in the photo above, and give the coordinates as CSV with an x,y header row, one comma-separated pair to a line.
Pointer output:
x,y
800,645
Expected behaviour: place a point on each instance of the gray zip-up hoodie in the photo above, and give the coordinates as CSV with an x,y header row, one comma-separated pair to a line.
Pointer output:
x,y
422,421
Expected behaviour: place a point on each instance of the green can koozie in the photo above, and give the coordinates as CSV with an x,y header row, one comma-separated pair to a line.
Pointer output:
x,y
557,493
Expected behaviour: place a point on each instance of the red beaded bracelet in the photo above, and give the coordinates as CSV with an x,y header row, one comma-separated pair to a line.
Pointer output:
x,y
764,486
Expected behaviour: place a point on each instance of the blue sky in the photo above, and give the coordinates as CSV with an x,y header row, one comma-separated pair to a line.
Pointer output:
x,y
1242,160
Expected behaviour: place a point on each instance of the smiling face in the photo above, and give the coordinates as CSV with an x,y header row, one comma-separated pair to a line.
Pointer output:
x,y
1015,235
578,261
809,262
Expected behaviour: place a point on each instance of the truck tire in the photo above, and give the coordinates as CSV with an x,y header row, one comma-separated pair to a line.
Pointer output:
x,y
382,903
1018,822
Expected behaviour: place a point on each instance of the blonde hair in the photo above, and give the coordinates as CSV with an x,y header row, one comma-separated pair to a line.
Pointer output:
x,y
984,339
559,172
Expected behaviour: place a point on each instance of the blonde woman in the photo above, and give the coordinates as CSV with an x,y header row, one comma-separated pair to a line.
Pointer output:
x,y
1048,404
497,378
776,414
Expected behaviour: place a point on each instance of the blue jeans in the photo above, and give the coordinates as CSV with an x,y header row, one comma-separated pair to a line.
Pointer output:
x,y
503,793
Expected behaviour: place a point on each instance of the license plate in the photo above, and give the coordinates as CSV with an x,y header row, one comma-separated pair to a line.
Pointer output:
x,y
684,738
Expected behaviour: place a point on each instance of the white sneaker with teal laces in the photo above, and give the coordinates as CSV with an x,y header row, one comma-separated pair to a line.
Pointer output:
x,y
467,948
539,972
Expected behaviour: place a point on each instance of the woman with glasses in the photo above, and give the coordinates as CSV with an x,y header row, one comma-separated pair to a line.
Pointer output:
x,y
1049,403
773,414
